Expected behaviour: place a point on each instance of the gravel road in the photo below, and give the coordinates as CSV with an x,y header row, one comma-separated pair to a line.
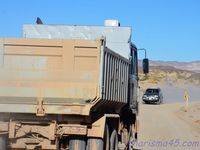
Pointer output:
x,y
169,127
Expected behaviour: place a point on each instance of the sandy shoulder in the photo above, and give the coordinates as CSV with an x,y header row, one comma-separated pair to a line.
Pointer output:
x,y
168,126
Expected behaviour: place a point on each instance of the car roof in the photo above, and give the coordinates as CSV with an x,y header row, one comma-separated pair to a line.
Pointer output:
x,y
153,89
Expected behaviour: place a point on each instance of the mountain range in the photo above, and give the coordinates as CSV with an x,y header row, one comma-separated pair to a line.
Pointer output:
x,y
193,66
173,71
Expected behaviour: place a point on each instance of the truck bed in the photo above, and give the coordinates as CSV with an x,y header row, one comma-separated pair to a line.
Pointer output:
x,y
45,76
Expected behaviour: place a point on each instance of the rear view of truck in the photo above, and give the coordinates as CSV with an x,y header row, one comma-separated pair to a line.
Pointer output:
x,y
68,87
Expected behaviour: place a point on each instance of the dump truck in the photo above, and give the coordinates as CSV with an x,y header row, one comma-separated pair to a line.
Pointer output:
x,y
69,87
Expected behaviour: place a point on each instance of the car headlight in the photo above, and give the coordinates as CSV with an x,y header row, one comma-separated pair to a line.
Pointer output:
x,y
145,97
156,96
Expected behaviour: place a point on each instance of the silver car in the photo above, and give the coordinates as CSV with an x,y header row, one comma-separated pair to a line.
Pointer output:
x,y
153,95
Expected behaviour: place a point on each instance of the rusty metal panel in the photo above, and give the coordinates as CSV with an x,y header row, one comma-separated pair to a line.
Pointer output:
x,y
61,72
72,129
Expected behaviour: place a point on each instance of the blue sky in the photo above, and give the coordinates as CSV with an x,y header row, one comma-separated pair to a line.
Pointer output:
x,y
168,29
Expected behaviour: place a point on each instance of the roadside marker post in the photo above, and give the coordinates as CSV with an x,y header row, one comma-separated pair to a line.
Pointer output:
x,y
186,98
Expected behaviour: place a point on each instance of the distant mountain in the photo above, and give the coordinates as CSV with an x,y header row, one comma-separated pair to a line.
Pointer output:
x,y
193,66
173,71
190,66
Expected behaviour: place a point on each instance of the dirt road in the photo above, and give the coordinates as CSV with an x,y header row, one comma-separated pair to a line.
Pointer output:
x,y
168,126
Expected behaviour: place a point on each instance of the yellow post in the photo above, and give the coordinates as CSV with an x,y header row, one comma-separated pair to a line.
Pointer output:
x,y
186,98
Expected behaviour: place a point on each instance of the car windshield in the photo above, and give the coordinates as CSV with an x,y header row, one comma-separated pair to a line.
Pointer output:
x,y
152,91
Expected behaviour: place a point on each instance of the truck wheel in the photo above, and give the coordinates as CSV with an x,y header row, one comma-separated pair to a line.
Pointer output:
x,y
99,144
77,144
114,140
3,144
106,142
95,144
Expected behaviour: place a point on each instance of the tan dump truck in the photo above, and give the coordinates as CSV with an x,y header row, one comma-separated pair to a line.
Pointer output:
x,y
68,87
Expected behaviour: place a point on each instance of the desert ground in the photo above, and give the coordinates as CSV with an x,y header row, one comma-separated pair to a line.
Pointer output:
x,y
170,126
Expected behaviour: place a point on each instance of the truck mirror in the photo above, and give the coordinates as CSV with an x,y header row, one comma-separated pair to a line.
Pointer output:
x,y
145,64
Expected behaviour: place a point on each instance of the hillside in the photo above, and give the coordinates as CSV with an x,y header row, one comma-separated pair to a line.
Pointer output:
x,y
172,72
172,80
190,66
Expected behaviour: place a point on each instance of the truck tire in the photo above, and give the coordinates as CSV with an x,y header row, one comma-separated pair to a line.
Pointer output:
x,y
106,142
114,140
77,144
3,142
95,144
99,144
